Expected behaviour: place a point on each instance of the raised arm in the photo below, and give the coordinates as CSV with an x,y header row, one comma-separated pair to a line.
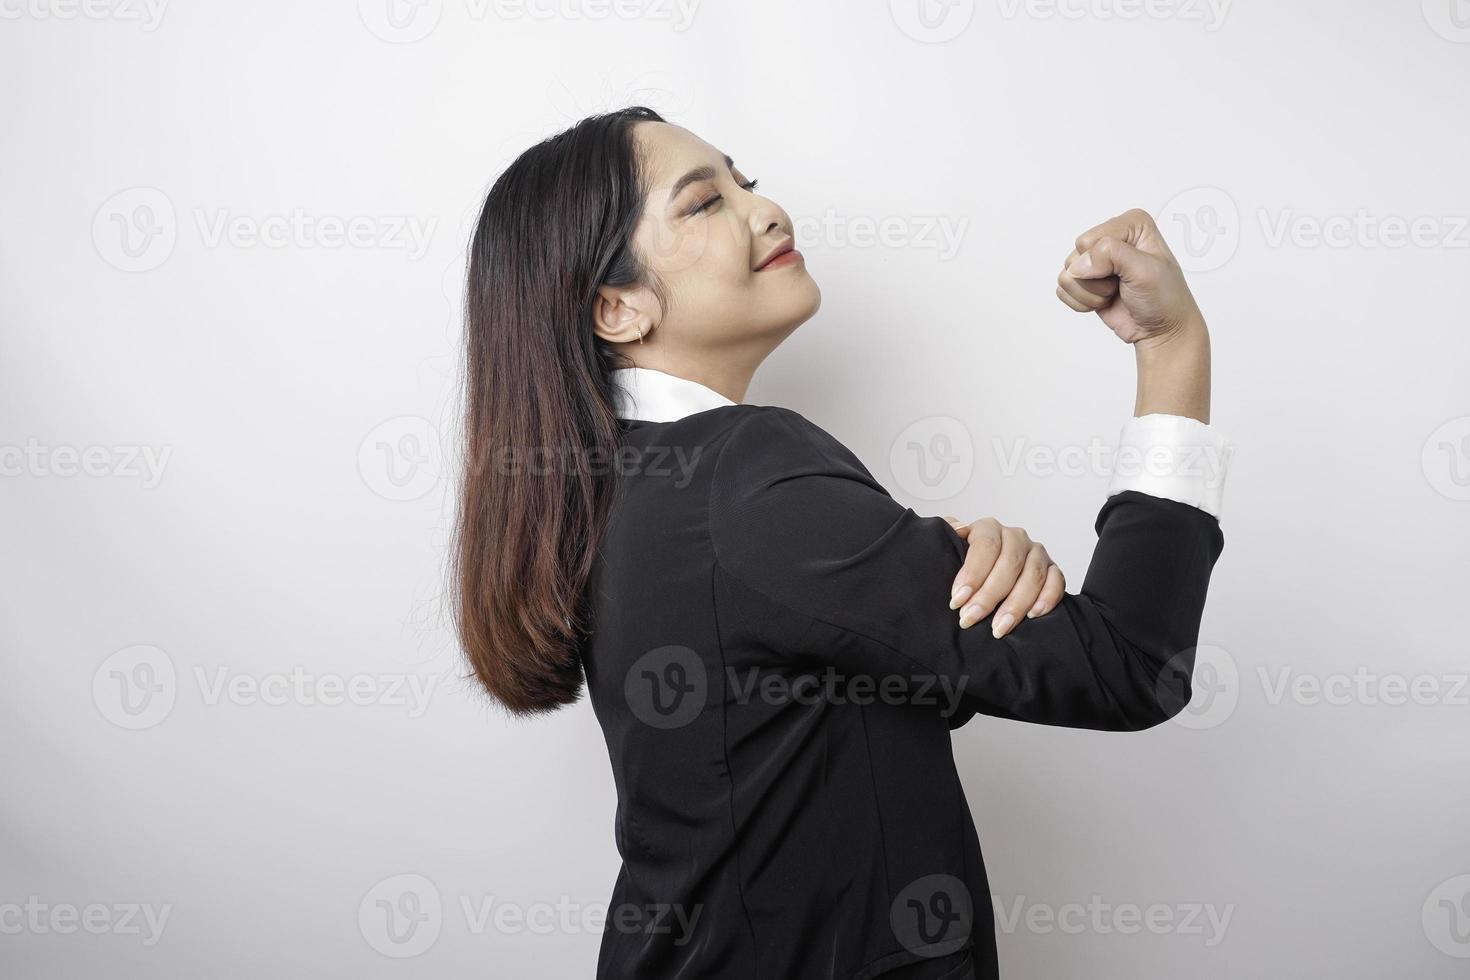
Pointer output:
x,y
1123,271
797,518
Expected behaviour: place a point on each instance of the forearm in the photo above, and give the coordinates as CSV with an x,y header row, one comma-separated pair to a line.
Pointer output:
x,y
1174,373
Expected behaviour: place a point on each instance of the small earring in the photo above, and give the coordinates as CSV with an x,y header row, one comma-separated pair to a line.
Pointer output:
x,y
640,335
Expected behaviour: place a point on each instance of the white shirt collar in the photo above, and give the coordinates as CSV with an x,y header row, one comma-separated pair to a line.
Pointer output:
x,y
654,396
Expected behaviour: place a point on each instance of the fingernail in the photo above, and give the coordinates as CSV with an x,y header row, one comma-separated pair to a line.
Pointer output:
x,y
1035,611
959,595
1081,265
970,615
1002,623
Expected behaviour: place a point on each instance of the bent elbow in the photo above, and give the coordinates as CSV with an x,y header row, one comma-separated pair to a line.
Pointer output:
x,y
1169,693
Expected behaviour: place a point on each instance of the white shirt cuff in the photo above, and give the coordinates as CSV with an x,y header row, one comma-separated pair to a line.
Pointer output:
x,y
1174,457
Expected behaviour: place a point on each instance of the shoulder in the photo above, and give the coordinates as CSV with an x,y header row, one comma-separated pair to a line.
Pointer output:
x,y
765,431
767,443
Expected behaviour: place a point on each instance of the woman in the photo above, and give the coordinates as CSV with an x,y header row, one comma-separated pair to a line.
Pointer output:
x,y
761,626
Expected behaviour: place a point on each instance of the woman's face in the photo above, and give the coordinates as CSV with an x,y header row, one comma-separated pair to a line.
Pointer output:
x,y
705,235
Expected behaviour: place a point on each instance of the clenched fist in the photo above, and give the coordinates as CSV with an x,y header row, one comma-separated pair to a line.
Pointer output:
x,y
1123,271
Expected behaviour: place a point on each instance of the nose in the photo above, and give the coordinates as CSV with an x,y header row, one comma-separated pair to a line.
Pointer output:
x,y
763,219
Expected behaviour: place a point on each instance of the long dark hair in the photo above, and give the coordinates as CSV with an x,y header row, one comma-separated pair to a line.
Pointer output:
x,y
558,222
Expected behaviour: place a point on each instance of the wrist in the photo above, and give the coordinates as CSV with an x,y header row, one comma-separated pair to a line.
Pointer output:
x,y
1186,338
1174,373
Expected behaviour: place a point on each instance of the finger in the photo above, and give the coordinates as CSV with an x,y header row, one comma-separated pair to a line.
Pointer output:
x,y
1024,593
1092,294
985,544
1134,226
1051,593
1110,256
1065,297
1015,544
962,528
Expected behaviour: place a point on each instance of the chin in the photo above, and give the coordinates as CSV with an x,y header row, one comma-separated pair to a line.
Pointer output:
x,y
811,300
797,305
802,312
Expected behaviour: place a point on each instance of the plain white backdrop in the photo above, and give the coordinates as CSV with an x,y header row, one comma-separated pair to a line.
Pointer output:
x,y
234,741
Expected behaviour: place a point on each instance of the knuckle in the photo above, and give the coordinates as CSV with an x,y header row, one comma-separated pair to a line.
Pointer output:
x,y
981,545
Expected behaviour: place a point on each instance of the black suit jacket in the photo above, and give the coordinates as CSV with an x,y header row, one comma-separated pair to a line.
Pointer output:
x,y
777,672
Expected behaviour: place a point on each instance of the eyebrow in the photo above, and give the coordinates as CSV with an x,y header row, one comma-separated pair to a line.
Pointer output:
x,y
697,174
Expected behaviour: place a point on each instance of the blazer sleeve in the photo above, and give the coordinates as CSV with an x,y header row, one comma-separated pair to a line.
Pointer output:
x,y
795,516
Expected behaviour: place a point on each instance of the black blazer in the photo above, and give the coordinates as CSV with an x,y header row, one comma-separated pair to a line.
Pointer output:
x,y
776,671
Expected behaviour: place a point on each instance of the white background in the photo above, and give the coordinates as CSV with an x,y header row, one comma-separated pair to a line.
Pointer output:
x,y
1306,160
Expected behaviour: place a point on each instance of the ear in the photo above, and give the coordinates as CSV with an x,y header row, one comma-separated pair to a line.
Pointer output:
x,y
622,313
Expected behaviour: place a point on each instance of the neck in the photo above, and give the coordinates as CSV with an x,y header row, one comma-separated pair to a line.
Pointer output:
x,y
730,376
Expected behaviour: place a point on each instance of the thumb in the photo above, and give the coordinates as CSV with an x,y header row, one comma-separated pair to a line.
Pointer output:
x,y
1110,256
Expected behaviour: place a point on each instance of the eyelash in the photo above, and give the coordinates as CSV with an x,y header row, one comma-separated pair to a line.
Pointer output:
x,y
749,185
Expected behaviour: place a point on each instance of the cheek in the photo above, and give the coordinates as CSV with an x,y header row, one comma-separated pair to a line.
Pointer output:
x,y
675,248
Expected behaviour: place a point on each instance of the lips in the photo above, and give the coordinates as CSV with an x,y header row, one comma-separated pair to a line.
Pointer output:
x,y
780,250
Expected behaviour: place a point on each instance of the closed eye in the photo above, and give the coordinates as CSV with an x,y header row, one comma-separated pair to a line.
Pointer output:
x,y
748,185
